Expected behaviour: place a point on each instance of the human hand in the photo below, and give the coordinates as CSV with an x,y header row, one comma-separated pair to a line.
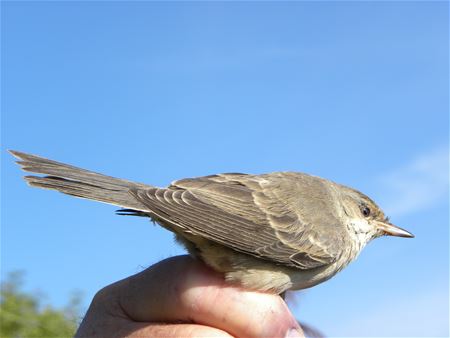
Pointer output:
x,y
181,297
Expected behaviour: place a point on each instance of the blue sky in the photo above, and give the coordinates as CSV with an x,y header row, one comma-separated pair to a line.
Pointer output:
x,y
356,92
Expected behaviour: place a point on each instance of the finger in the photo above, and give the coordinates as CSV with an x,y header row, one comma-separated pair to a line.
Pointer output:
x,y
183,289
139,330
99,323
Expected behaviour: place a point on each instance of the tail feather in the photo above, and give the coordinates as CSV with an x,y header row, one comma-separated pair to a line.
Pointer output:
x,y
79,182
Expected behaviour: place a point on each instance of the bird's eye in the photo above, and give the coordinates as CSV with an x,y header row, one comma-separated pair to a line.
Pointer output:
x,y
365,211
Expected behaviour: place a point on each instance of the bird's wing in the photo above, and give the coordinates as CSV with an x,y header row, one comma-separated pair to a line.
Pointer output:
x,y
260,215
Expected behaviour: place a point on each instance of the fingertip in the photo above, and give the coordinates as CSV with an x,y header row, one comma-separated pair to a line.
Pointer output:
x,y
294,333
241,312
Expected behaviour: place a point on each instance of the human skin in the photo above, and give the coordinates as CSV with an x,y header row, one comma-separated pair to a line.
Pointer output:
x,y
181,297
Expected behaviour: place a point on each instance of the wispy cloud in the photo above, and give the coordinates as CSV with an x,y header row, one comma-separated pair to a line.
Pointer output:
x,y
418,185
418,315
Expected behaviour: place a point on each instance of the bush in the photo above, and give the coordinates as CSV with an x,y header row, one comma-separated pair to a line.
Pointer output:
x,y
24,315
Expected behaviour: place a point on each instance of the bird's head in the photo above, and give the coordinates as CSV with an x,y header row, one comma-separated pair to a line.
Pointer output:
x,y
368,217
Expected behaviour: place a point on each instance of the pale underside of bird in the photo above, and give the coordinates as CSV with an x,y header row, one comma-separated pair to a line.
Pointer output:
x,y
270,232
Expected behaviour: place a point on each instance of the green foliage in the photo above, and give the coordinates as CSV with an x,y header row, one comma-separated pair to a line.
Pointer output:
x,y
23,315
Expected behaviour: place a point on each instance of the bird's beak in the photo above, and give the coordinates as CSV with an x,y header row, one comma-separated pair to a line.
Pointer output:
x,y
392,230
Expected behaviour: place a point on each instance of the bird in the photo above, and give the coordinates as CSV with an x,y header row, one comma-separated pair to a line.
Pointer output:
x,y
268,232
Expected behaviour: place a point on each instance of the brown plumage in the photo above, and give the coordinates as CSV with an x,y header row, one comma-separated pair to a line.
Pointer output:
x,y
269,232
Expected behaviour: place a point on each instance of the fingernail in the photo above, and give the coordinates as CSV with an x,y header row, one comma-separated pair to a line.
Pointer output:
x,y
294,333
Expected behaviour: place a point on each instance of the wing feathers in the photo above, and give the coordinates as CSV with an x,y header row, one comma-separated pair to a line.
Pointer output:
x,y
238,212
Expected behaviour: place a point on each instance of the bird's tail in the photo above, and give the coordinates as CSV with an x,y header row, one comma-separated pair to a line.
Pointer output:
x,y
79,182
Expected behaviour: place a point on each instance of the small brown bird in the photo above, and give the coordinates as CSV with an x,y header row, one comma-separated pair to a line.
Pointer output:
x,y
270,232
